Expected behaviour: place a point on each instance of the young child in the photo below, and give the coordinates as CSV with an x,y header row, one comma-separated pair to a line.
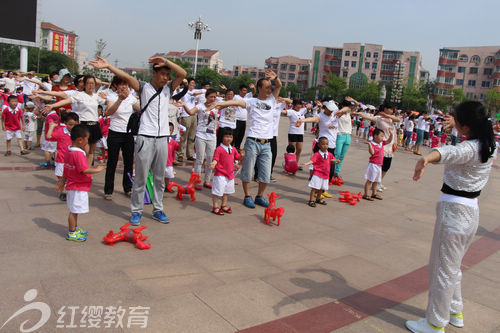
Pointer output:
x,y
226,161
435,140
401,133
370,131
466,171
77,178
413,139
30,118
444,137
49,146
13,124
290,164
104,123
62,134
321,161
173,146
373,174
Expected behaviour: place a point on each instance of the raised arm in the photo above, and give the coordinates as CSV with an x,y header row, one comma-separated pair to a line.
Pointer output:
x,y
102,63
50,107
180,73
59,94
188,110
112,107
314,119
240,103
271,75
367,117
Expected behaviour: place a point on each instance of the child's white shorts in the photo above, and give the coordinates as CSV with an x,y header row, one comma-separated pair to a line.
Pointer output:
x,y
169,172
318,183
29,136
13,134
50,146
373,173
59,170
102,143
221,185
78,201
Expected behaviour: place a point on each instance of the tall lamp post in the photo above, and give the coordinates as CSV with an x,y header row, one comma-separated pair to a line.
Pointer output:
x,y
198,27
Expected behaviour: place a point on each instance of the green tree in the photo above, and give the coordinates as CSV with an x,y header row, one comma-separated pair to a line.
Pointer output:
x,y
335,86
186,65
100,47
414,99
493,101
442,103
291,90
208,75
458,96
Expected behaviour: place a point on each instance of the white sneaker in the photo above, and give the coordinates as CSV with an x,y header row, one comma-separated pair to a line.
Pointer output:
x,y
457,320
379,188
423,326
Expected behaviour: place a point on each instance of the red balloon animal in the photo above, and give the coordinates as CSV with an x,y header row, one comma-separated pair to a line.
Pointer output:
x,y
271,211
129,235
350,197
193,180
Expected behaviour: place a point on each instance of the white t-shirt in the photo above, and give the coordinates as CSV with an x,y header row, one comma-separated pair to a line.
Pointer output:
x,y
241,113
427,126
87,105
386,125
345,124
119,119
207,123
294,116
154,120
10,84
260,117
200,99
188,99
228,117
328,128
409,125
277,117
28,87
421,123
29,121
455,133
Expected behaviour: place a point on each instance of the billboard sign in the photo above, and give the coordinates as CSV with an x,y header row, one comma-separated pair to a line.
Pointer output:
x,y
12,31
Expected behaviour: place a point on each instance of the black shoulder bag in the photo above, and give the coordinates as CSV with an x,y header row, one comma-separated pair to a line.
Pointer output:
x,y
135,118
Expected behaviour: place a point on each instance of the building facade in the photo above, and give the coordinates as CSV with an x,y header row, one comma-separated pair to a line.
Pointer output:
x,y
475,70
290,70
206,58
360,63
255,72
58,40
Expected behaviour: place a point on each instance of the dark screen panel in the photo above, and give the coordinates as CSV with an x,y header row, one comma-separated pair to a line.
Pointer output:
x,y
19,20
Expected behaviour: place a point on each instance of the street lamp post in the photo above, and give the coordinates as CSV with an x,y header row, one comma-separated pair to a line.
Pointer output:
x,y
198,27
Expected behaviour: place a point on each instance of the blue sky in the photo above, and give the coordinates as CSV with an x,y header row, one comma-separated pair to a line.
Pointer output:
x,y
246,33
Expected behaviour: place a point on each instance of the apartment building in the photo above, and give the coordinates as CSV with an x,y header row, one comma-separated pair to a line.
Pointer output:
x,y
58,40
290,70
206,58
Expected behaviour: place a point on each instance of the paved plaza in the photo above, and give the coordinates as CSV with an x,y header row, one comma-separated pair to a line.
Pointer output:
x,y
336,268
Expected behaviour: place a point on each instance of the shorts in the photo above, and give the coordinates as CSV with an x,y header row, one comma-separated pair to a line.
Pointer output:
x,y
50,146
318,183
373,173
102,143
59,170
11,134
387,164
258,154
365,132
78,201
29,136
295,137
169,172
39,126
420,137
426,135
94,130
221,185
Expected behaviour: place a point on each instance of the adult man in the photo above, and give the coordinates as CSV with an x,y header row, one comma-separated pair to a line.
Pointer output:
x,y
420,126
259,134
189,122
28,86
241,114
151,148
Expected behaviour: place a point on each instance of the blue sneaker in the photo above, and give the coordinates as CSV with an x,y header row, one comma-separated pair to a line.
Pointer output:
x,y
248,201
161,217
259,200
135,219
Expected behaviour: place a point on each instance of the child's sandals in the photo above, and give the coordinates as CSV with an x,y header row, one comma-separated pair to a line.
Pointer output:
x,y
321,202
376,196
227,210
368,198
217,211
311,203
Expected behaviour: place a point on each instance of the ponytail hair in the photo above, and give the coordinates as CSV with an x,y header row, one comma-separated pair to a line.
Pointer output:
x,y
474,116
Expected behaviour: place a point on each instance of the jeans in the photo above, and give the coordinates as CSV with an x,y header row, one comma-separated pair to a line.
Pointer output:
x,y
150,154
204,150
239,133
125,142
408,138
453,140
260,155
343,143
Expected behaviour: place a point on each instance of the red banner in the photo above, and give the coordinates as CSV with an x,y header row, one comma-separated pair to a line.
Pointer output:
x,y
57,42
71,46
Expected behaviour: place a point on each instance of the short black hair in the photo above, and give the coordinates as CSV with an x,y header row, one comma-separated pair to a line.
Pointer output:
x,y
386,105
79,131
226,131
170,124
210,91
290,149
52,74
377,131
66,116
11,97
323,138
77,79
243,86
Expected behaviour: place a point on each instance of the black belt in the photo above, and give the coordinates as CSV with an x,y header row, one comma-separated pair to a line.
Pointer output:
x,y
154,137
89,123
261,141
448,190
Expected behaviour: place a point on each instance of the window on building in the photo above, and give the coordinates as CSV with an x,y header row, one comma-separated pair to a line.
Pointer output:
x,y
282,75
473,70
261,75
275,66
283,67
354,53
463,57
206,61
488,71
347,53
496,82
254,74
353,63
471,83
482,97
461,69
449,80
292,68
367,65
346,63
291,76
373,76
485,84
470,95
344,74
304,68
375,55
368,54
489,60
475,59
245,72
236,73
374,65
460,82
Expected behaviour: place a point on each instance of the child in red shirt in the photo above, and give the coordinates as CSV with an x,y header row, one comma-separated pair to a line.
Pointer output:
x,y
77,179
13,124
104,123
49,146
225,162
290,164
321,161
173,146
62,134
444,136
435,140
373,174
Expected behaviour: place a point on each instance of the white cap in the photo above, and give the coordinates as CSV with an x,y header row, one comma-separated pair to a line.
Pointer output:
x,y
330,105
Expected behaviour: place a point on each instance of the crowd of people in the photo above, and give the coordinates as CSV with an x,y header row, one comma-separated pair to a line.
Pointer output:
x,y
155,126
